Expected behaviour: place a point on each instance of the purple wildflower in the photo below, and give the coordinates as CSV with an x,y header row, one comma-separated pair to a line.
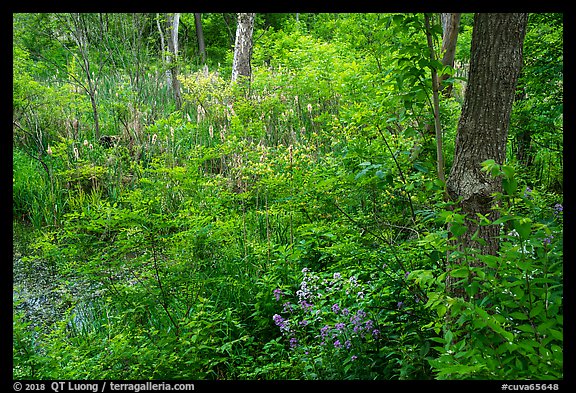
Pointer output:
x,y
345,311
303,292
305,305
357,318
548,239
281,323
527,192
335,308
337,276
406,275
278,319
369,324
337,344
339,326
288,307
347,344
375,333
303,323
293,342
354,357
400,304
278,293
558,208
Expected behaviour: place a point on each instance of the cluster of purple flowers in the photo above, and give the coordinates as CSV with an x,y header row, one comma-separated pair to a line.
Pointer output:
x,y
282,323
305,305
349,329
288,307
558,208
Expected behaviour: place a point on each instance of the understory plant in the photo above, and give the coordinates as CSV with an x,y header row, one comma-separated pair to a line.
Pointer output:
x,y
339,326
510,326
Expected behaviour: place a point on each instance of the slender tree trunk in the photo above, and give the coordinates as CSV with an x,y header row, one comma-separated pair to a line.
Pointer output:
x,y
243,47
436,102
173,21
200,37
80,35
165,57
496,60
450,26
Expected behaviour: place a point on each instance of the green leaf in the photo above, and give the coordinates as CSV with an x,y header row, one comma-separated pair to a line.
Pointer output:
x,y
458,229
519,315
544,327
441,310
510,186
361,173
523,227
508,171
557,334
525,328
536,310
504,219
479,323
460,272
420,167
448,336
475,237
491,166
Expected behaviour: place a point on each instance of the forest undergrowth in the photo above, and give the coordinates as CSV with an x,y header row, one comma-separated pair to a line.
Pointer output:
x,y
294,228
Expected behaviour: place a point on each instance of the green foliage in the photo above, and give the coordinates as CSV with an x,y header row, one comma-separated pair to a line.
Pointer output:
x,y
37,197
513,326
293,230
536,127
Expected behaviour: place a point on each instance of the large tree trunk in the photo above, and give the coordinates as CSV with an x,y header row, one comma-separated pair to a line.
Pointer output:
x,y
450,26
496,60
243,47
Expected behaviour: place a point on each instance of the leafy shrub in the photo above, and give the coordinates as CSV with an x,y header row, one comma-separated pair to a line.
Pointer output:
x,y
512,326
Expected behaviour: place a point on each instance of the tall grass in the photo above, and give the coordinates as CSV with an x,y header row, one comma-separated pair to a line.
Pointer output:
x,y
36,194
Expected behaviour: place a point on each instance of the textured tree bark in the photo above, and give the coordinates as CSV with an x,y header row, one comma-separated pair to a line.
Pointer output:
x,y
243,47
496,60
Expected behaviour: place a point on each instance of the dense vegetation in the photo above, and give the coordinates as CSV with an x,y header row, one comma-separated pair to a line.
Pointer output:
x,y
296,229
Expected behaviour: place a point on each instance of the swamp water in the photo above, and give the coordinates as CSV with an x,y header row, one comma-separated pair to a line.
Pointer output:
x,y
43,298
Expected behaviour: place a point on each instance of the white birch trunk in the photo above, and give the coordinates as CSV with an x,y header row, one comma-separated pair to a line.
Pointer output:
x,y
243,46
